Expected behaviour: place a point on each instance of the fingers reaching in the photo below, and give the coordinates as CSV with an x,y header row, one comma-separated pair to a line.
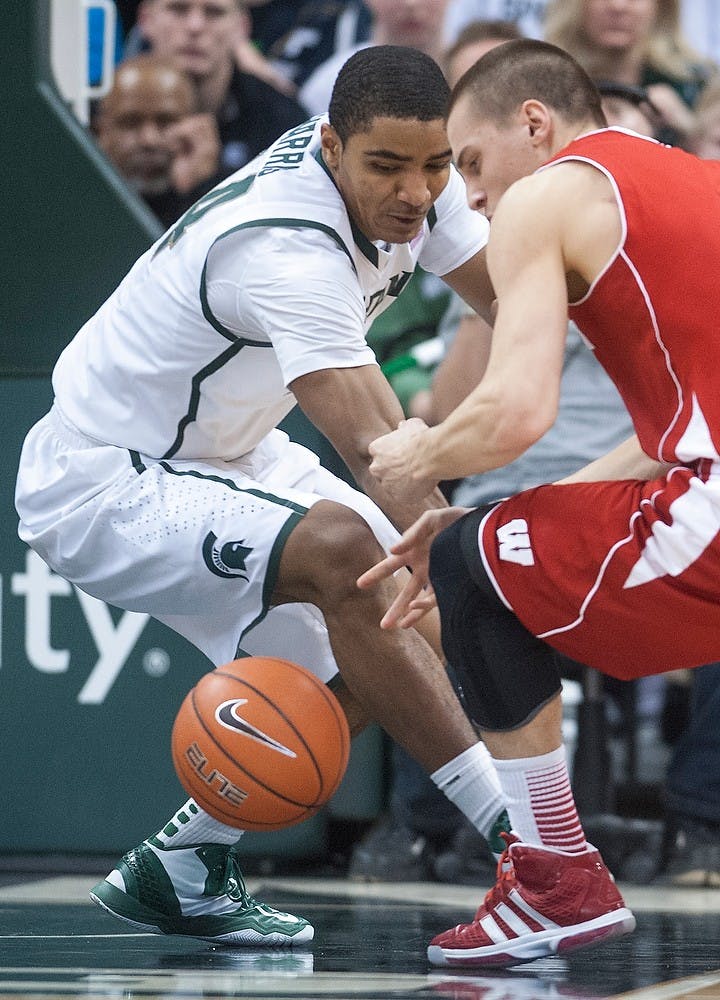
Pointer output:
x,y
408,607
380,571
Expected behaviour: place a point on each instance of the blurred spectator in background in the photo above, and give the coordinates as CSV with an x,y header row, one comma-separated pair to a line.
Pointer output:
x,y
699,19
475,39
638,42
281,41
249,53
704,140
417,24
527,16
127,15
406,343
629,107
691,842
149,127
201,37
316,31
270,20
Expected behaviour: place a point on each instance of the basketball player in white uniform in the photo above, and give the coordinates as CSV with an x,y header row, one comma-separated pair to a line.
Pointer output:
x,y
159,482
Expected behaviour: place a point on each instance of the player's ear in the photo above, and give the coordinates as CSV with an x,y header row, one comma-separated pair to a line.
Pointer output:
x,y
537,118
331,146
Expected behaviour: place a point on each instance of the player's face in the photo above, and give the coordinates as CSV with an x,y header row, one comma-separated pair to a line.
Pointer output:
x,y
390,176
489,158
135,127
618,24
196,34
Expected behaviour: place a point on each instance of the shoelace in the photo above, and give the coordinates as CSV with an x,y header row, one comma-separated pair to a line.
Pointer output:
x,y
234,882
506,878
224,875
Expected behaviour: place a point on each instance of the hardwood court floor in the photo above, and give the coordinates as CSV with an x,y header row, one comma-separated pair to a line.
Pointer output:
x,y
369,945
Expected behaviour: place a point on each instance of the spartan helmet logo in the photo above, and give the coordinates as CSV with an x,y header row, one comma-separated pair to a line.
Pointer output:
x,y
226,560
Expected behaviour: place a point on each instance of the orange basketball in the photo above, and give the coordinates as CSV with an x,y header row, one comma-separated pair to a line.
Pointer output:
x,y
260,743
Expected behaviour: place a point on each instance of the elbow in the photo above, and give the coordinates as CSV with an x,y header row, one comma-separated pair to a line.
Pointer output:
x,y
524,423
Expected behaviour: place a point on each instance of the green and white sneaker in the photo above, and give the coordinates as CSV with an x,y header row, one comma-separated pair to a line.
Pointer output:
x,y
197,891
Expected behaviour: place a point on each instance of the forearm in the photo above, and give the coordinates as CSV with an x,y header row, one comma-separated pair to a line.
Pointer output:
x,y
484,432
401,511
352,407
627,461
462,367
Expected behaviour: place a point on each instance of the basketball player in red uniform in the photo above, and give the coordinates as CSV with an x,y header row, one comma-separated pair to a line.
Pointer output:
x,y
617,566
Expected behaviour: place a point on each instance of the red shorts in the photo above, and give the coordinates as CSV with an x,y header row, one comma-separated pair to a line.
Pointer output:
x,y
622,576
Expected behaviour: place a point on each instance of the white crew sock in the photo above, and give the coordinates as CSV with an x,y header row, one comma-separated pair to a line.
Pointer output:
x,y
191,826
470,781
540,802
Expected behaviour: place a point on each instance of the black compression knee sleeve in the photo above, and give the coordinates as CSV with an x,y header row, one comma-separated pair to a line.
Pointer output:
x,y
505,674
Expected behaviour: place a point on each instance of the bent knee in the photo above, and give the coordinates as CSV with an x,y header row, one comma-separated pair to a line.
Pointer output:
x,y
326,553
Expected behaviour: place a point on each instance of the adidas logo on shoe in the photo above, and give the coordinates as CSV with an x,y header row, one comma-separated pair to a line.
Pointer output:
x,y
545,902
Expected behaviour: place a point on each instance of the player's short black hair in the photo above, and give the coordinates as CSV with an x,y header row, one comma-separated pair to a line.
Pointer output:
x,y
524,70
389,81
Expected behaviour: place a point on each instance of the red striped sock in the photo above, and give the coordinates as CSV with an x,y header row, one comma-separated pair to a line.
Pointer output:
x,y
540,801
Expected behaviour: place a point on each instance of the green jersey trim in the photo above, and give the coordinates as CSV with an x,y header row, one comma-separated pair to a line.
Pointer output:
x,y
296,508
268,223
195,388
236,343
273,567
216,196
137,462
215,322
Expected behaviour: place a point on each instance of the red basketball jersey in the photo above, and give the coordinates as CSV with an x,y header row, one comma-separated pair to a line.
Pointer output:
x,y
653,316
625,576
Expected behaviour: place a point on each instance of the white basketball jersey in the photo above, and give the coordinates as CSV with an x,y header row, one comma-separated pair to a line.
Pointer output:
x,y
263,280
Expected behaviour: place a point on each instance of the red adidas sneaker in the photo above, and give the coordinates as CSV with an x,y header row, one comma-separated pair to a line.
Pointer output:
x,y
545,902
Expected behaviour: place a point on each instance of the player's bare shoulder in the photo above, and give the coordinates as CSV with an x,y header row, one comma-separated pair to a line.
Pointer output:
x,y
572,205
528,216
592,225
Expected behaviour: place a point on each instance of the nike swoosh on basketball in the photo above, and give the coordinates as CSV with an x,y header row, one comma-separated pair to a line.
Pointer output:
x,y
226,715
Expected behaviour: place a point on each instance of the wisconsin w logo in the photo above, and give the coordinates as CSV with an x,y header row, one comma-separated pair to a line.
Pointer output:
x,y
226,560
514,542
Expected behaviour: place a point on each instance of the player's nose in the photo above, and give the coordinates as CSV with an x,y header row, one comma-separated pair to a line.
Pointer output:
x,y
414,189
476,197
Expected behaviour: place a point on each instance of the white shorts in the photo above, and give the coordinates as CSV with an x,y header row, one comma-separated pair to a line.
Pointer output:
x,y
195,544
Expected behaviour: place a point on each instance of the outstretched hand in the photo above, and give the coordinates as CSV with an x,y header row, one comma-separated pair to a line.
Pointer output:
x,y
412,550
